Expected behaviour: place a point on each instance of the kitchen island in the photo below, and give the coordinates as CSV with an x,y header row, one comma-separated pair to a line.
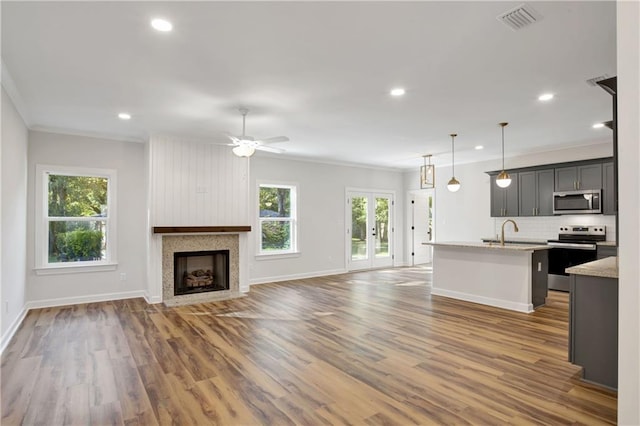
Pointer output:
x,y
513,276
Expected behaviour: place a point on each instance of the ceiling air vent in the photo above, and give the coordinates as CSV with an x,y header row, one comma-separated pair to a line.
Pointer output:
x,y
594,81
519,17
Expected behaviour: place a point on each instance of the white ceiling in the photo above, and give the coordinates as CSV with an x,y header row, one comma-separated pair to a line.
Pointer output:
x,y
319,73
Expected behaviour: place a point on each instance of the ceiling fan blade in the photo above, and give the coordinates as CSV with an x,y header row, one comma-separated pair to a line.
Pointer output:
x,y
274,139
270,149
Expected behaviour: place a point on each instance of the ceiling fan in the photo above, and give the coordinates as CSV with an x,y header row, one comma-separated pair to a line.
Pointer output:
x,y
245,146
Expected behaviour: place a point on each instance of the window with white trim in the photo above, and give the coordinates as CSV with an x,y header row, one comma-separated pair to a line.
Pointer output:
x,y
75,217
277,207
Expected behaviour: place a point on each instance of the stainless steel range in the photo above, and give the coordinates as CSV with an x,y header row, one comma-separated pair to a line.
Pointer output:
x,y
575,245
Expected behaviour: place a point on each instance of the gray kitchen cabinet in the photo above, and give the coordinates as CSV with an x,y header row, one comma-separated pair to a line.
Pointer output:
x,y
587,176
504,201
608,189
535,193
606,251
593,328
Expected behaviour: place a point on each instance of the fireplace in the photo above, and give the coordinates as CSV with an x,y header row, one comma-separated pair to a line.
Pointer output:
x,y
200,271
217,253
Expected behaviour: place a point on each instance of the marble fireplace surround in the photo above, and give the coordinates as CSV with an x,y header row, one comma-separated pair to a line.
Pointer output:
x,y
193,239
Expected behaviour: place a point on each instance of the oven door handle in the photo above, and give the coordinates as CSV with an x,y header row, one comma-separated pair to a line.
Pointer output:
x,y
577,246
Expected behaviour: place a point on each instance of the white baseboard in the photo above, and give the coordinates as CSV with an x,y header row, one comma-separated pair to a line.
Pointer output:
x,y
296,276
49,303
152,299
505,304
8,335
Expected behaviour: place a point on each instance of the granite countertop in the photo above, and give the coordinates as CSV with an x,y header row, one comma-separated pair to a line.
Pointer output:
x,y
606,268
538,241
514,240
491,246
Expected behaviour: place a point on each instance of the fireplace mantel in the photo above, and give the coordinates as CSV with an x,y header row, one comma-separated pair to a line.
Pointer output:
x,y
199,229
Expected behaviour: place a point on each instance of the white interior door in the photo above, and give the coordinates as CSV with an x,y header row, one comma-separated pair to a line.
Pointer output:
x,y
422,225
370,230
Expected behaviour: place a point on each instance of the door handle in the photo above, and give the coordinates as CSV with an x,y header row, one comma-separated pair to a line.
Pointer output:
x,y
373,231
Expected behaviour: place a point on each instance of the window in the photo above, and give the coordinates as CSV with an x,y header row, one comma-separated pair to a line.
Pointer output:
x,y
277,219
75,223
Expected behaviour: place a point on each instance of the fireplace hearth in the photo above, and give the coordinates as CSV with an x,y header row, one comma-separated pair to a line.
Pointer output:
x,y
200,271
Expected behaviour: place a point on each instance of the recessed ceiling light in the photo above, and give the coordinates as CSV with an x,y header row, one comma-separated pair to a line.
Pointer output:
x,y
478,147
598,126
124,116
161,25
397,92
545,97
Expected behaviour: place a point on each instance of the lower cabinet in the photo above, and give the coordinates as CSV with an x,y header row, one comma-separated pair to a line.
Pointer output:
x,y
606,251
593,328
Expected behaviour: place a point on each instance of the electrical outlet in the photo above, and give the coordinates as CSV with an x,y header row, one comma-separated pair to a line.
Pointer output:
x,y
539,266
123,276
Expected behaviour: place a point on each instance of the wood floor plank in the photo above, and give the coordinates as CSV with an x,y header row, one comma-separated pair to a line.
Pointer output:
x,y
371,347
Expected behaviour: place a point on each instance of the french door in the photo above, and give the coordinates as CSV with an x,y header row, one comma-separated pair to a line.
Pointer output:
x,y
369,230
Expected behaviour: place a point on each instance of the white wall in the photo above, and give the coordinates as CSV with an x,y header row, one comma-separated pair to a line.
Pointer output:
x,y
321,213
13,223
128,159
628,41
192,183
465,215
195,183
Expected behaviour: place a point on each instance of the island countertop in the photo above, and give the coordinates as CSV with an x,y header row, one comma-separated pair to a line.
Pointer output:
x,y
606,268
490,246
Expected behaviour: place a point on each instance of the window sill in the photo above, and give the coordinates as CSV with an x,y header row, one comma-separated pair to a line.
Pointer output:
x,y
75,269
275,256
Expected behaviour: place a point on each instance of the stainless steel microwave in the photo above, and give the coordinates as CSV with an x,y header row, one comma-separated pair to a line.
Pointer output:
x,y
577,202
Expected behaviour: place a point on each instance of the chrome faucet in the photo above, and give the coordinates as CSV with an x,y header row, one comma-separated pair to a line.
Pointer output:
x,y
515,226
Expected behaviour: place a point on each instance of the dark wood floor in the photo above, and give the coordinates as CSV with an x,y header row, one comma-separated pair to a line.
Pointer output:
x,y
362,348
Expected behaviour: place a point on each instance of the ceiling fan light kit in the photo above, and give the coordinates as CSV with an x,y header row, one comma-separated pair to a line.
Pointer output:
x,y
503,180
244,150
454,184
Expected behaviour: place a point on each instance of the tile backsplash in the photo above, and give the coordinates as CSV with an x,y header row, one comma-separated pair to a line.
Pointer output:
x,y
547,227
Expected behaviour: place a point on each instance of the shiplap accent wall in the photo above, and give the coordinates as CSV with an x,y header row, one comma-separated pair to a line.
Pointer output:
x,y
195,183
192,183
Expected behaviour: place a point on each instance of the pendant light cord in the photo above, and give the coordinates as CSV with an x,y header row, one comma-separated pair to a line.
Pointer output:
x,y
502,147
453,157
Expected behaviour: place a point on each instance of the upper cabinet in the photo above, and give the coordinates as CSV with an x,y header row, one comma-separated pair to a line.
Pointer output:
x,y
579,177
531,189
504,201
608,189
536,193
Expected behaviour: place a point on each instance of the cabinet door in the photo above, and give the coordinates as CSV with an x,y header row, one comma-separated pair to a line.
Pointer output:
x,y
527,193
608,189
497,198
566,179
590,176
511,196
545,185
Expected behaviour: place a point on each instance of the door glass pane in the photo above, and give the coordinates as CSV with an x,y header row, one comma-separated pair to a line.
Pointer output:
x,y
382,227
358,228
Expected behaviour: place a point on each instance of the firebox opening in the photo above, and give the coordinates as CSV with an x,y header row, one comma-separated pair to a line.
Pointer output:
x,y
200,271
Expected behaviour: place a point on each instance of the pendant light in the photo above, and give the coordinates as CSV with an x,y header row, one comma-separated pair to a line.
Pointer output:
x,y
427,174
503,180
453,184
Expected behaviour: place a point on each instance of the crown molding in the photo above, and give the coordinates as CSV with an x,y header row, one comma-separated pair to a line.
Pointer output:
x,y
10,87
